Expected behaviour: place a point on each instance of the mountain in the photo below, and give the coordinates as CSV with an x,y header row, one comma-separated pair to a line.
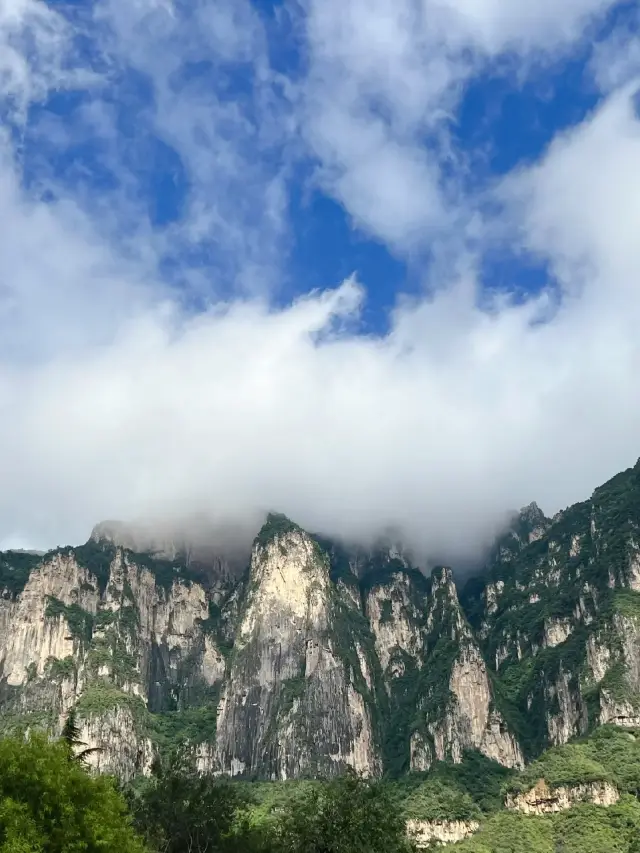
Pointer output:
x,y
316,656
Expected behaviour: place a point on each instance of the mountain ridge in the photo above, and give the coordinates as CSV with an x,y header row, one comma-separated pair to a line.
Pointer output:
x,y
318,656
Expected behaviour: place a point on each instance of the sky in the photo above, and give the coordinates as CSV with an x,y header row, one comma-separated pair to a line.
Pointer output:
x,y
371,263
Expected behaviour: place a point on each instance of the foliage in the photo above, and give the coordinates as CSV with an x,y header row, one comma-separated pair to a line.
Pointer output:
x,y
180,810
348,815
509,832
15,568
100,697
351,637
192,725
435,800
386,612
340,560
49,804
61,668
80,621
571,764
110,651
608,755
276,524
96,558
577,572
216,626
165,572
104,618
618,751
269,800
582,829
71,737
479,777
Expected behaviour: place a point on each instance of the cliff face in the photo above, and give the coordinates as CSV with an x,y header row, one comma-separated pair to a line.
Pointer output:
x,y
558,616
298,697
317,656
543,799
457,699
92,628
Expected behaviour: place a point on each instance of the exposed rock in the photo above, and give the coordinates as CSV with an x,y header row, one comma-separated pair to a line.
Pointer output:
x,y
619,712
70,635
121,748
421,753
471,721
395,621
468,719
220,551
556,631
542,799
342,656
598,657
289,704
571,718
427,832
492,593
28,638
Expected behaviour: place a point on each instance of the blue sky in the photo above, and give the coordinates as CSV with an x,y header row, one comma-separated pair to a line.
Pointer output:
x,y
371,263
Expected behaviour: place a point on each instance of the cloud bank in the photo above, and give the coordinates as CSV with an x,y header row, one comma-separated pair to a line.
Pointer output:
x,y
147,368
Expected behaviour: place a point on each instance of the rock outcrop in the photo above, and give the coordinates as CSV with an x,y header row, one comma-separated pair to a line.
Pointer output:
x,y
543,799
426,833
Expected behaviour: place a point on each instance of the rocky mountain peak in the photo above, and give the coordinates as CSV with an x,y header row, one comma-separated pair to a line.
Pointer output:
x,y
310,655
532,515
442,579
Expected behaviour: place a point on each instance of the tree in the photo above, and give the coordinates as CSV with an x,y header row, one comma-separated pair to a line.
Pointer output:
x,y
348,815
179,810
49,804
71,736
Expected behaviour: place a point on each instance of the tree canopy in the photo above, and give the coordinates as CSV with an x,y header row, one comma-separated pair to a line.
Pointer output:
x,y
50,804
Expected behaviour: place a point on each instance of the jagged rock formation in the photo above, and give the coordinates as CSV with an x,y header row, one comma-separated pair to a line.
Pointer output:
x,y
558,615
297,700
457,700
94,629
316,656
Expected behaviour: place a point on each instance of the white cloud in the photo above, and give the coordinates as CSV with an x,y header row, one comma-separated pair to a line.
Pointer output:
x,y
236,205
115,402
386,76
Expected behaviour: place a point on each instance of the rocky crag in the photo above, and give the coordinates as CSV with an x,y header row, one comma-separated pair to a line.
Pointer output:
x,y
314,657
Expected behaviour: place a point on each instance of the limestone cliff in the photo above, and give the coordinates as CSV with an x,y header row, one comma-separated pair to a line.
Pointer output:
x,y
426,833
457,702
313,661
317,655
299,695
92,628
559,616
544,799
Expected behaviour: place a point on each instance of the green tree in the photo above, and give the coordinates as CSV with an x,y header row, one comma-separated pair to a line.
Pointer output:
x,y
49,804
71,736
179,810
348,815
